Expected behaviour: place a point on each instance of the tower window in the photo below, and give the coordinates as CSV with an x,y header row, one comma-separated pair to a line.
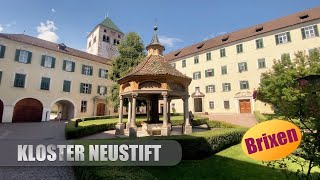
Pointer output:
x,y
118,42
114,41
108,39
104,30
119,36
104,38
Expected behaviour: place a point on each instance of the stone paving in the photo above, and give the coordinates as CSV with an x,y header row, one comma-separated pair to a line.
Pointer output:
x,y
246,120
52,130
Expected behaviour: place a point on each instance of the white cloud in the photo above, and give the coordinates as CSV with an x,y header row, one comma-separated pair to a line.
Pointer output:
x,y
13,23
47,31
214,35
1,28
53,10
169,41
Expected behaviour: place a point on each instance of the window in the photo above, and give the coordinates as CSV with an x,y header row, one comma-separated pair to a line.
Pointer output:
x,y
226,87
103,73
244,84
304,16
87,70
104,30
184,63
108,39
211,104
226,104
197,89
23,56
66,86
239,48
209,72
283,38
94,40
68,66
85,88
83,106
104,38
102,90
89,45
224,70
114,41
197,75
210,89
2,51
196,59
19,80
259,43
242,66
310,31
173,65
48,61
208,56
0,76
259,29
45,83
222,52
261,63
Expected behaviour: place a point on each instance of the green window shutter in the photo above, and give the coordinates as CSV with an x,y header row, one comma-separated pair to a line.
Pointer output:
x,y
199,75
303,33
2,52
42,60
17,55
73,66
207,89
316,31
206,73
83,66
53,62
277,40
288,36
81,87
29,57
100,72
91,70
64,65
194,75
90,86
105,90
0,76
98,89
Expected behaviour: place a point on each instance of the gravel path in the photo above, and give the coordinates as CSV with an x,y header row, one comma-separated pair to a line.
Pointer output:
x,y
52,130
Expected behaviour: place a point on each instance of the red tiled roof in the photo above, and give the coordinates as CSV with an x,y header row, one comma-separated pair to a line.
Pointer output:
x,y
283,22
154,65
53,46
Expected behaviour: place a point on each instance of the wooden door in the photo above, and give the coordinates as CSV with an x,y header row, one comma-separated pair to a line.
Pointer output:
x,y
245,106
101,109
197,104
27,110
1,111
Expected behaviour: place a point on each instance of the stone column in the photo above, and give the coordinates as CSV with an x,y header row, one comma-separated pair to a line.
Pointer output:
x,y
129,114
7,114
187,126
148,110
120,125
165,129
169,114
133,126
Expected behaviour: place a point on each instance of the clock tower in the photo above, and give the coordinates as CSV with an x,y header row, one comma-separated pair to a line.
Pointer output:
x,y
104,40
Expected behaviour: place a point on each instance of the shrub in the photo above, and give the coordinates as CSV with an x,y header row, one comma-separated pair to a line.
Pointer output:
x,y
259,117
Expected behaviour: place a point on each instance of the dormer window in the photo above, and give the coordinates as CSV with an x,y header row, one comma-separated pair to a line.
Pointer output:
x,y
62,46
200,46
104,30
177,54
304,16
225,38
259,29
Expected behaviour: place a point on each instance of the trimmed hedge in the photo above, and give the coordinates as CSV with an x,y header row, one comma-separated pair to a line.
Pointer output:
x,y
259,117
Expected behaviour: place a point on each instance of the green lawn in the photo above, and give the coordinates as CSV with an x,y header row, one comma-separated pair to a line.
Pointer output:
x,y
228,164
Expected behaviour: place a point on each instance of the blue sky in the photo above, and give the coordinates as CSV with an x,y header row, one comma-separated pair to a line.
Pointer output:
x,y
181,23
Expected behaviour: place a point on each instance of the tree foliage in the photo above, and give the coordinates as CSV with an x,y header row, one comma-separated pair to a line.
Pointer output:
x,y
131,51
298,101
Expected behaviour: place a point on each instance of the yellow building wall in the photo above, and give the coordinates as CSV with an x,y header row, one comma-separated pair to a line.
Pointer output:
x,y
10,95
250,55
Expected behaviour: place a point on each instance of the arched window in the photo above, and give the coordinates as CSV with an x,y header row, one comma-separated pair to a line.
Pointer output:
x,y
108,39
114,41
104,38
118,42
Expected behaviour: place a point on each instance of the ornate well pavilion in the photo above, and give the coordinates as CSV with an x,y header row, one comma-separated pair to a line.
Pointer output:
x,y
152,80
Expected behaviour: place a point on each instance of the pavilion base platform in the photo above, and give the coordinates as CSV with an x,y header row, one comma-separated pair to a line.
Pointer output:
x,y
133,130
119,129
155,128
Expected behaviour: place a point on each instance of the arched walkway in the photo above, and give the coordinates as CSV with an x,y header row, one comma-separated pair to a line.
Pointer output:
x,y
101,108
27,110
65,107
1,110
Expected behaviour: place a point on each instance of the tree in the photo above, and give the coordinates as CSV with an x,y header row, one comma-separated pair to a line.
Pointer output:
x,y
131,51
299,102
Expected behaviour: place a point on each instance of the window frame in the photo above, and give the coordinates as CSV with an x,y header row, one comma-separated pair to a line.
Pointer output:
x,y
84,106
184,63
242,64
196,60
242,83
45,85
239,48
224,104
207,72
210,88
226,87
211,105
208,56
197,75
15,80
262,60
223,52
225,67
259,43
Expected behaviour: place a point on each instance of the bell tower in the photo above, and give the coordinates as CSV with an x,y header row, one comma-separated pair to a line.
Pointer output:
x,y
104,39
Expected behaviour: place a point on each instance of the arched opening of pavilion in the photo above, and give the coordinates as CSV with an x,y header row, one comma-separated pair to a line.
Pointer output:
x,y
152,80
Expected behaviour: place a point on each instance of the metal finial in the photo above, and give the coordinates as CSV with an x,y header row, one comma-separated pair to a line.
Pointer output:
x,y
155,28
